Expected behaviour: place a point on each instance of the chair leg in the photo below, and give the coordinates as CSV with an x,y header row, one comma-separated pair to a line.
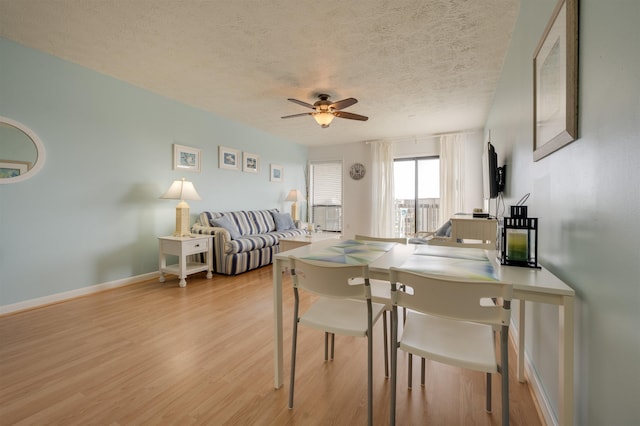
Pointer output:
x,y
488,406
326,345
394,365
386,348
504,372
369,364
333,344
294,341
410,378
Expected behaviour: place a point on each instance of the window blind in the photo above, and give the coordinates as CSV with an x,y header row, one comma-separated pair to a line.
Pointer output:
x,y
326,194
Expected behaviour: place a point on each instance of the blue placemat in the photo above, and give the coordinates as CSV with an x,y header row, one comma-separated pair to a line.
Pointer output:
x,y
451,267
351,252
452,252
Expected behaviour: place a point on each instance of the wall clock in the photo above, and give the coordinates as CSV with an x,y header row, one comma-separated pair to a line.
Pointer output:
x,y
357,171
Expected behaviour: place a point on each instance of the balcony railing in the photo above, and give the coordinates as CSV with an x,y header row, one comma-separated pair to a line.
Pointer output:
x,y
407,220
410,220
328,217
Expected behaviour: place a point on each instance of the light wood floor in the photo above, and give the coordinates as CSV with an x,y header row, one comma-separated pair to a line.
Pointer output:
x,y
154,353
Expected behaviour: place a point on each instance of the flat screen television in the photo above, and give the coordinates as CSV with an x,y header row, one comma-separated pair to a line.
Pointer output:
x,y
490,174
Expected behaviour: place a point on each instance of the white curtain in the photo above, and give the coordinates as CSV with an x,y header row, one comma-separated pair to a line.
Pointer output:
x,y
382,190
451,175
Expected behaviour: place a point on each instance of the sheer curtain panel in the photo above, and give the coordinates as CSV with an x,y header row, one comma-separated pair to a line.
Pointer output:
x,y
382,191
451,175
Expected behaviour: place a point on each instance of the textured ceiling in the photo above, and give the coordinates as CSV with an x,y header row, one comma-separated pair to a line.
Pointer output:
x,y
417,67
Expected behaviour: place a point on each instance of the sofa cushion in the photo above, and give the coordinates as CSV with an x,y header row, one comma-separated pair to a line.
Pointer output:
x,y
250,243
226,223
283,221
288,233
243,222
262,220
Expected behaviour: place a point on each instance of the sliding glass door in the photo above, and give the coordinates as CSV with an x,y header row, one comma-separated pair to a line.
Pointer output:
x,y
417,194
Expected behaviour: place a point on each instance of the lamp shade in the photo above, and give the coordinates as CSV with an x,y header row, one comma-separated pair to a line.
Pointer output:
x,y
294,195
181,190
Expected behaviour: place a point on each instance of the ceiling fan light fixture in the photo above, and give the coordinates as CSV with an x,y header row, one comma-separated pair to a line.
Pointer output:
x,y
323,118
324,110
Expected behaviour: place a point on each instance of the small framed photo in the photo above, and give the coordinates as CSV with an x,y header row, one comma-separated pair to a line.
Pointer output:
x,y
9,169
186,158
228,158
250,162
276,173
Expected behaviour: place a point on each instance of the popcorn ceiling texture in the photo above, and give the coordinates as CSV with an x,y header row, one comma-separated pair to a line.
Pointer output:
x,y
417,67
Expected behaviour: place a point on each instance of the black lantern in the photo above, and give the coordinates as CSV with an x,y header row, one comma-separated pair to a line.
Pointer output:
x,y
520,239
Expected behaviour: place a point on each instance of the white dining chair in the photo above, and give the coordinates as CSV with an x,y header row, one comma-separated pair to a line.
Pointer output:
x,y
450,322
381,293
343,308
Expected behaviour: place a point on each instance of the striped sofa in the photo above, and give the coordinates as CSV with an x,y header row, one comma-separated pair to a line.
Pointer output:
x,y
248,239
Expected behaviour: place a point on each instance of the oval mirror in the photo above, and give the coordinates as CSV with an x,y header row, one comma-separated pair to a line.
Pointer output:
x,y
21,152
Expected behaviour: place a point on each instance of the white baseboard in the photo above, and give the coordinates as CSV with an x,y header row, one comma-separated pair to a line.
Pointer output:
x,y
61,297
541,397
539,394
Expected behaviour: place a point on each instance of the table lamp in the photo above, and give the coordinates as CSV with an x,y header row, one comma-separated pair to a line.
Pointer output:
x,y
295,196
182,190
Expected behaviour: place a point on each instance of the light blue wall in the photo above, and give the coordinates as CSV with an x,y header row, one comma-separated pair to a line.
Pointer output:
x,y
587,196
92,214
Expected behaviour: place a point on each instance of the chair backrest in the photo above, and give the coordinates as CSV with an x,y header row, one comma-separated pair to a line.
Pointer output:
x,y
453,298
330,279
469,232
381,239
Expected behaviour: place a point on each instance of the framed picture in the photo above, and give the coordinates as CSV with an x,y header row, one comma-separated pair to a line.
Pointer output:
x,y
10,169
228,158
276,173
555,82
250,162
186,158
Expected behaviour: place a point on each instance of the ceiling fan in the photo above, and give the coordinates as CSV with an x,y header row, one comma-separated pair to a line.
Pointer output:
x,y
325,110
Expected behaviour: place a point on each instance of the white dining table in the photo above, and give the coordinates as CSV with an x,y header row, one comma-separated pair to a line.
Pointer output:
x,y
529,284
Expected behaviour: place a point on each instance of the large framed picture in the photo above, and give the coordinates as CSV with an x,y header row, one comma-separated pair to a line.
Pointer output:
x,y
228,158
186,158
10,169
276,173
250,162
555,82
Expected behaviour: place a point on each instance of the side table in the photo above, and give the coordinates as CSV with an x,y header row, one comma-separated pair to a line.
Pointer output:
x,y
183,247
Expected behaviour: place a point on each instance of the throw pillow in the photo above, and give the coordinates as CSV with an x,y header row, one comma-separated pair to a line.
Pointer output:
x,y
444,230
226,223
283,221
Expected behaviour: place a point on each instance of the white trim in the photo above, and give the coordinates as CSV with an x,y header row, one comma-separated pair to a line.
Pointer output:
x,y
72,294
538,393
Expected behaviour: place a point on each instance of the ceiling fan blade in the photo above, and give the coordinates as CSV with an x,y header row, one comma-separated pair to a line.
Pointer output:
x,y
343,103
297,115
304,104
350,116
